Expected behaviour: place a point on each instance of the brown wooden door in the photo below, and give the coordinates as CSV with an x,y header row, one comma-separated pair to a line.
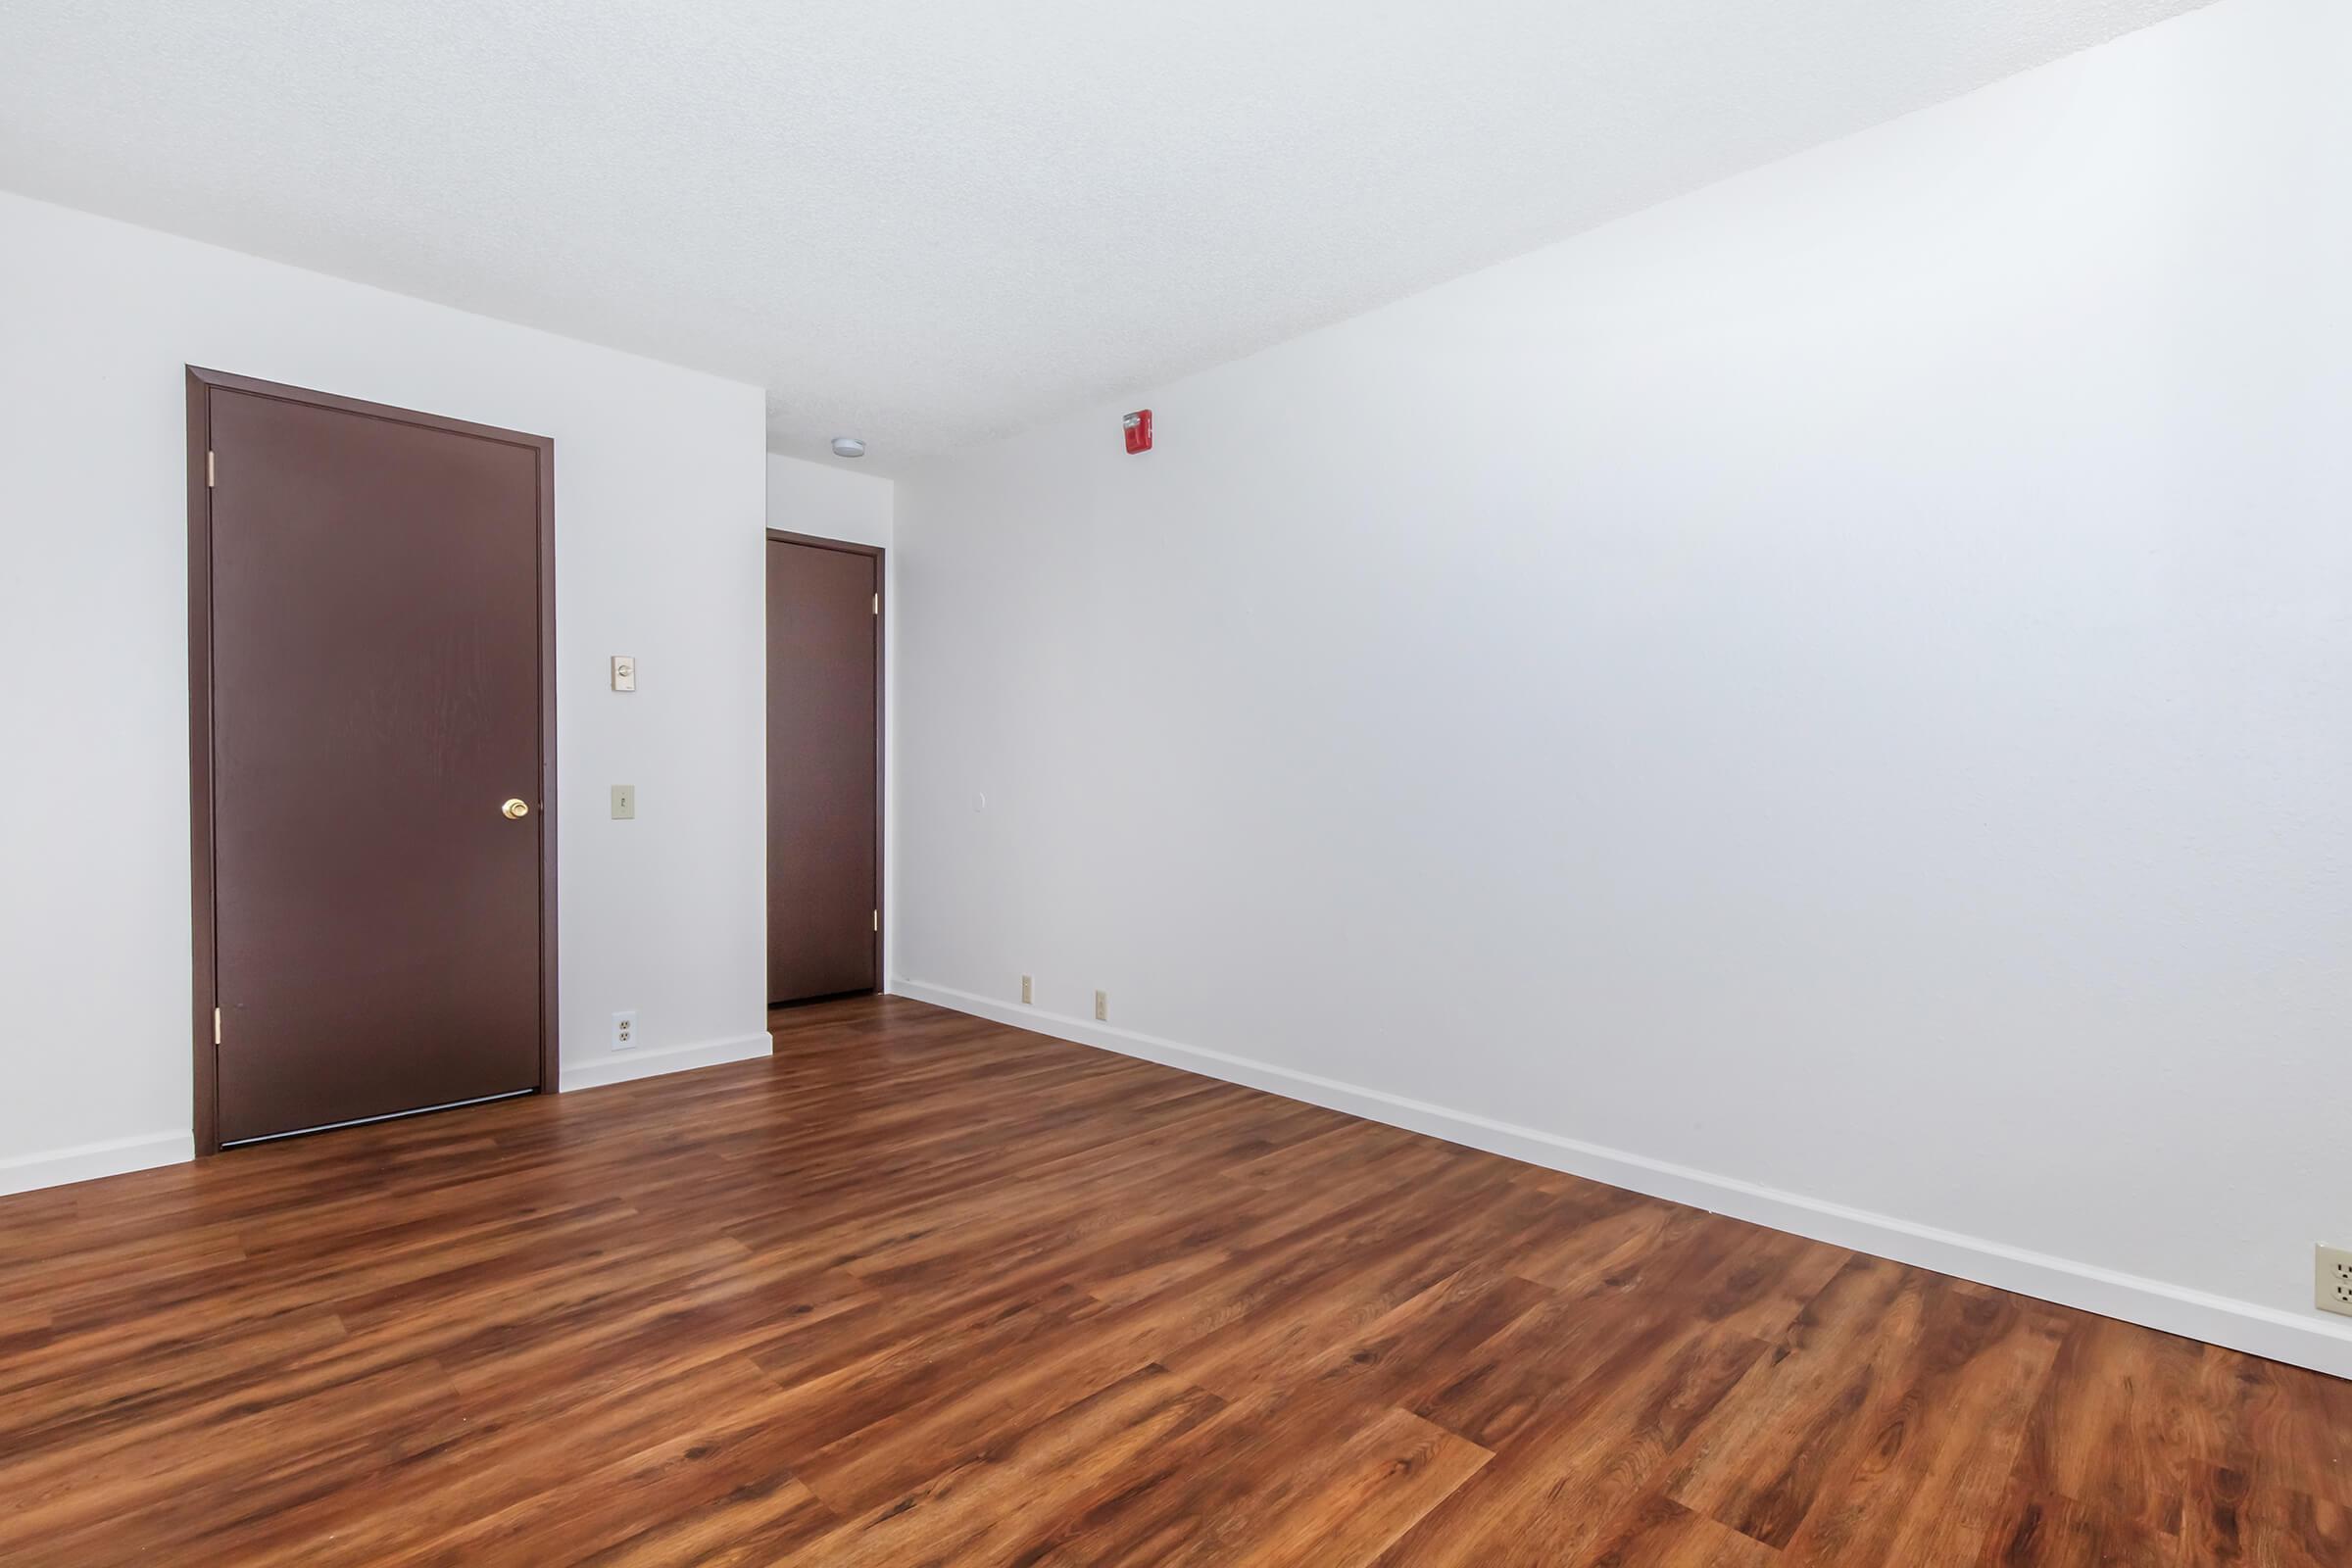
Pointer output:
x,y
824,838
376,697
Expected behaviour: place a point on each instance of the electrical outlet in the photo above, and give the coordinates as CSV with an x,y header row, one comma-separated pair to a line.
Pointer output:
x,y
624,803
624,1030
2335,1279
1028,995
1103,1005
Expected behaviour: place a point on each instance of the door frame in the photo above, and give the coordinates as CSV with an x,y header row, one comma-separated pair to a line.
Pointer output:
x,y
205,959
781,537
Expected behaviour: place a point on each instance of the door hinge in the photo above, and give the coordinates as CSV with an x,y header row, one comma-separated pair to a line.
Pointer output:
x,y
208,470
877,604
877,919
215,1026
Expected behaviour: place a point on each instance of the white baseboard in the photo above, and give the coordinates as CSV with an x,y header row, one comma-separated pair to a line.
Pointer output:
x,y
24,1174
84,1162
622,1066
2172,1308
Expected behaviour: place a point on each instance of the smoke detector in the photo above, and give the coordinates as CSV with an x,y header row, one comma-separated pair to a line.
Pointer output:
x,y
847,446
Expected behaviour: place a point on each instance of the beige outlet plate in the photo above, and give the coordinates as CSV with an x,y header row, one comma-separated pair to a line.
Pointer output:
x,y
1103,1005
1027,995
2332,1267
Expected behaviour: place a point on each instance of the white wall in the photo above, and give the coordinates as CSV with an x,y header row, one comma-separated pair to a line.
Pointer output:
x,y
1830,698
659,485
830,500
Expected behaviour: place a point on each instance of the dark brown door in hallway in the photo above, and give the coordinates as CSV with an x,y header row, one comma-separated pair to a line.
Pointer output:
x,y
374,613
824,818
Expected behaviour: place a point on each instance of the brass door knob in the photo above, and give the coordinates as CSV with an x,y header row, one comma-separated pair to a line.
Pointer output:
x,y
514,811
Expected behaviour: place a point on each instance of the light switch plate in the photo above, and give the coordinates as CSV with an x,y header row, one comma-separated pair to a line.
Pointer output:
x,y
624,803
624,673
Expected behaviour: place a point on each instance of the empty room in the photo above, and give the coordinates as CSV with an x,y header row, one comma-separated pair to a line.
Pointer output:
x,y
1495,785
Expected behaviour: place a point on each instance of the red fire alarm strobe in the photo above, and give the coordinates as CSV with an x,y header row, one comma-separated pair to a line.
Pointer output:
x,y
1139,431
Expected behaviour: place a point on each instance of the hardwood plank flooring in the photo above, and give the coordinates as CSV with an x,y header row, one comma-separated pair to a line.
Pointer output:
x,y
921,1288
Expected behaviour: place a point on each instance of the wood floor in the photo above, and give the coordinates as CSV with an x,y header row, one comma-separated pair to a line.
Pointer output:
x,y
924,1289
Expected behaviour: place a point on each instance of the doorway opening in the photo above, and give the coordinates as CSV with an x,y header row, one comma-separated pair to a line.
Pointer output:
x,y
824,769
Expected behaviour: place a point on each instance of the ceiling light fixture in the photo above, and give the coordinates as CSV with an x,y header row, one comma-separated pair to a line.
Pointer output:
x,y
847,446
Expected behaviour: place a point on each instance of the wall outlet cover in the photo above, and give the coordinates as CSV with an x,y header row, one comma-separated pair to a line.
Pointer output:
x,y
624,1029
2334,1271
1028,993
1103,1005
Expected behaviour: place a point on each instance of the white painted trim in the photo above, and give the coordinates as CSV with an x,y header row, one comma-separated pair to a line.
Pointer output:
x,y
623,1065
2172,1308
84,1162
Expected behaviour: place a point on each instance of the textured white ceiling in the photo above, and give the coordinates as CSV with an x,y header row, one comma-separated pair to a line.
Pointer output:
x,y
927,222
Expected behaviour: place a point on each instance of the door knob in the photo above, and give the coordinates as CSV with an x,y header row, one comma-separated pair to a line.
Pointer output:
x,y
514,811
